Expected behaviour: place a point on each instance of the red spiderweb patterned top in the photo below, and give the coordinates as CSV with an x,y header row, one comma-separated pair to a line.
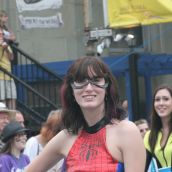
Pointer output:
x,y
89,154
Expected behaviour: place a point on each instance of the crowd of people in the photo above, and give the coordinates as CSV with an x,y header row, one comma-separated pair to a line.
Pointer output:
x,y
91,133
16,152
96,134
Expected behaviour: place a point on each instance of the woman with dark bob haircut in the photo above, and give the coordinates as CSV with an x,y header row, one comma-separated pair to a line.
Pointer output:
x,y
96,137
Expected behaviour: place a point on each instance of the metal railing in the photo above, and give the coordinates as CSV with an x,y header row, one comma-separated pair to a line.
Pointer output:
x,y
34,105
40,78
37,87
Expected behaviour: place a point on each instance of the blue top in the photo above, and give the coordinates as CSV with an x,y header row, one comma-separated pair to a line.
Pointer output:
x,y
9,163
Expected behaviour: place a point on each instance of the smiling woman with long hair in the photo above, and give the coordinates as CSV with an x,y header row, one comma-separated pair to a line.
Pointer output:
x,y
96,137
158,141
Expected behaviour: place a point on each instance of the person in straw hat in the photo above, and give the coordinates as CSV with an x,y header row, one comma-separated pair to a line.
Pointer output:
x,y
5,116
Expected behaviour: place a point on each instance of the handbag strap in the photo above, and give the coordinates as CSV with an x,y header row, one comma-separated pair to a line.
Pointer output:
x,y
38,149
149,157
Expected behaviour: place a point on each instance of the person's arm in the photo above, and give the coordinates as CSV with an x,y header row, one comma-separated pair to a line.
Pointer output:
x,y
132,147
49,156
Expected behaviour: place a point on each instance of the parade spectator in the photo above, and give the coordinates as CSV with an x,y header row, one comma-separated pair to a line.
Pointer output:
x,y
158,140
143,126
8,34
11,157
49,129
5,116
7,86
20,118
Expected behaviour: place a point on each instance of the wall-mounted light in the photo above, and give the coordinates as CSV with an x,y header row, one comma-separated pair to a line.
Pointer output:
x,y
121,36
100,48
129,37
105,43
118,37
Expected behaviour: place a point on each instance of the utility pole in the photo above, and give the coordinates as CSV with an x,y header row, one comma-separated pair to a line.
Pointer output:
x,y
133,59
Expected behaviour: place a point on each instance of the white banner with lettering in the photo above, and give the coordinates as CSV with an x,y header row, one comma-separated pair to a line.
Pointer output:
x,y
41,22
37,5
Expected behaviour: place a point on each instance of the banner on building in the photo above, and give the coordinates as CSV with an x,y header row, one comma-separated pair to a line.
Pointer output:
x,y
41,22
128,13
37,5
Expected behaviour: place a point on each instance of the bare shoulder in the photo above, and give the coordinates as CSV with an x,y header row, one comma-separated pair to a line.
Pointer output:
x,y
124,131
124,126
128,134
125,143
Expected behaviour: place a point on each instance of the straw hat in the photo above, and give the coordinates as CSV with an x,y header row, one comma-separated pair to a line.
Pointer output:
x,y
11,129
3,108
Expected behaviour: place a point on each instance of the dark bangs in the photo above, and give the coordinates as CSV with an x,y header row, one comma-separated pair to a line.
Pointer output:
x,y
79,71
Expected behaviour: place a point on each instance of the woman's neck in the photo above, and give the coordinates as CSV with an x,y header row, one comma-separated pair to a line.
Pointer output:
x,y
96,127
92,116
165,124
16,153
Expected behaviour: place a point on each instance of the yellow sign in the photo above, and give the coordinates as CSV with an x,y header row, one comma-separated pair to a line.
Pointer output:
x,y
129,13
